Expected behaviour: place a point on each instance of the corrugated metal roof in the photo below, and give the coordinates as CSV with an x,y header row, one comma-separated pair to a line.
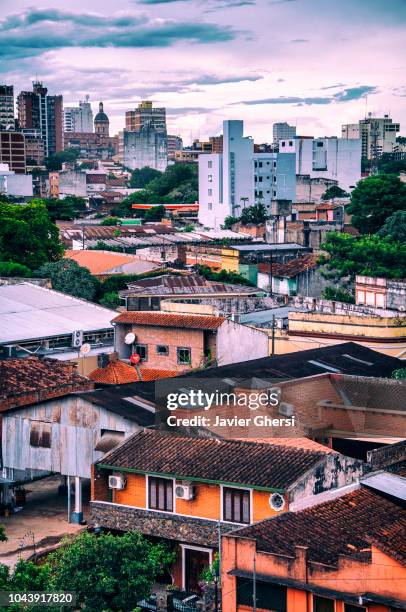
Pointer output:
x,y
387,483
28,312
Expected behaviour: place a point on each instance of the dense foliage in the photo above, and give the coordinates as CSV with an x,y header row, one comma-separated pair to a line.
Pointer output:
x,y
394,227
140,177
66,209
338,294
374,199
368,255
334,192
223,276
9,268
54,163
27,235
67,276
253,214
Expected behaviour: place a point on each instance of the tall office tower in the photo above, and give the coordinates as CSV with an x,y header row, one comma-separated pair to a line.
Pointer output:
x,y
145,115
12,151
175,143
283,130
101,122
39,111
79,119
7,107
377,134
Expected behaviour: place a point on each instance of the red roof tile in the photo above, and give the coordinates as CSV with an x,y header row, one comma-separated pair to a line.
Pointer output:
x,y
120,373
232,461
344,526
30,380
169,319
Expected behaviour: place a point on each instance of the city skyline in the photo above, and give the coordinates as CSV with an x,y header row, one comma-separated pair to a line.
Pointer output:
x,y
300,61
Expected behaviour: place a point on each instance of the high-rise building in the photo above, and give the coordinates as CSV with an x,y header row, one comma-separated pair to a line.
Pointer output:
x,y
216,143
337,159
174,143
282,131
7,107
39,111
101,122
79,119
226,180
377,134
12,151
145,115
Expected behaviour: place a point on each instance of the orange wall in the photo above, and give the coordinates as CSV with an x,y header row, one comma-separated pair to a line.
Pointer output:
x,y
261,508
134,493
206,503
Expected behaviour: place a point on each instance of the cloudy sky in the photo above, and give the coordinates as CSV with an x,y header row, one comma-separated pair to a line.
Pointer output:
x,y
314,63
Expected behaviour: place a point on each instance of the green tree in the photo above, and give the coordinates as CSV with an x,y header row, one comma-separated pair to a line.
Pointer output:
x,y
54,163
253,214
9,268
109,572
3,537
224,276
374,199
394,227
334,192
110,221
156,213
399,374
66,209
27,235
140,177
229,222
67,276
387,165
346,256
338,294
110,300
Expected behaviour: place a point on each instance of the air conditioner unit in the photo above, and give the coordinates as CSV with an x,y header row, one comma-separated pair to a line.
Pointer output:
x,y
185,491
77,338
286,410
277,501
117,481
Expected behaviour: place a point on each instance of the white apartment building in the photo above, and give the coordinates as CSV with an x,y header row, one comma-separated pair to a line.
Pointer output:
x,y
238,177
78,118
281,131
377,134
226,180
12,184
337,159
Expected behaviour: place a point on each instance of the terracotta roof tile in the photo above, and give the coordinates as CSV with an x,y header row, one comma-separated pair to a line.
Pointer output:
x,y
344,526
291,268
168,319
300,443
29,380
120,373
232,461
101,262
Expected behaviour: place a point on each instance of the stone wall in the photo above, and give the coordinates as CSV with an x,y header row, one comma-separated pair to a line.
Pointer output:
x,y
159,524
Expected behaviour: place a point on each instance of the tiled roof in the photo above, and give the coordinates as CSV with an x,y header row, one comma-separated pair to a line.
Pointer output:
x,y
171,284
344,526
29,380
168,319
101,262
120,373
291,268
300,443
228,461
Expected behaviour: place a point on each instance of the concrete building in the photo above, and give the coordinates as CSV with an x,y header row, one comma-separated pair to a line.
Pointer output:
x,y
377,134
226,180
283,131
333,158
7,121
101,122
65,183
92,146
78,118
12,184
145,147
274,177
380,293
37,110
174,143
34,147
145,115
12,151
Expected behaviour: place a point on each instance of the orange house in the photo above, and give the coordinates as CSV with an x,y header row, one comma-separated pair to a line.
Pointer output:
x,y
344,555
190,490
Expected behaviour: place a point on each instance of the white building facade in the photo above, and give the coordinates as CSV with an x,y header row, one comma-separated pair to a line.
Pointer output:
x,y
337,159
78,118
377,134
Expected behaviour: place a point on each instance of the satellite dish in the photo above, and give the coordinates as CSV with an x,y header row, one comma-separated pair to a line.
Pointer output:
x,y
130,337
85,349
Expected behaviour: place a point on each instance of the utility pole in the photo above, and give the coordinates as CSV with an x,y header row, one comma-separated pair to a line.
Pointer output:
x,y
254,586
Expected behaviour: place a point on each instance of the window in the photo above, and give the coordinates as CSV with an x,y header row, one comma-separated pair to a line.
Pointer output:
x,y
320,144
322,604
290,143
274,179
210,192
274,164
209,178
142,351
162,349
274,194
184,355
210,206
236,505
40,434
352,608
210,164
269,596
283,143
260,179
260,164
160,494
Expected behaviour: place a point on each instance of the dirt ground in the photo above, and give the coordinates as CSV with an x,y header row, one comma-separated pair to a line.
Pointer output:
x,y
41,523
